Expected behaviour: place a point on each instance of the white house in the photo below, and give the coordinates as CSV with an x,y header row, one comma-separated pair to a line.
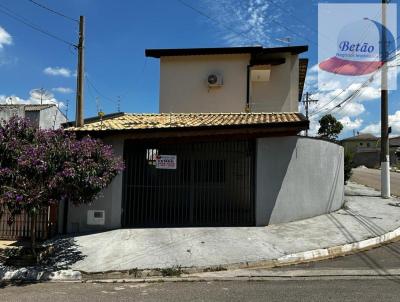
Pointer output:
x,y
46,116
223,151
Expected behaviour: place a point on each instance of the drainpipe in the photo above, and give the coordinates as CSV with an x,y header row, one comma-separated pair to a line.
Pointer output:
x,y
247,108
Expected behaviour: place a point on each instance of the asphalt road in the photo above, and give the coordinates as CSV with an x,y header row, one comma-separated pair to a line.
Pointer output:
x,y
372,178
328,290
336,288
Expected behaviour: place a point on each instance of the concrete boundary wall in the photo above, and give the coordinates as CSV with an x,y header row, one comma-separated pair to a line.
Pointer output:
x,y
110,202
297,178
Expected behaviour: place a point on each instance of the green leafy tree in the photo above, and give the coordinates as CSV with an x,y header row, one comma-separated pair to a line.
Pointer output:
x,y
330,127
348,166
40,167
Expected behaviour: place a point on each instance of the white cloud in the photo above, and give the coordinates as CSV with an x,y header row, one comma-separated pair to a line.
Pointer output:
x,y
394,122
349,124
13,99
352,109
331,94
247,22
57,71
5,38
64,90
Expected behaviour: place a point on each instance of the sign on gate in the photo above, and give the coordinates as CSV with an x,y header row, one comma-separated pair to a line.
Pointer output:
x,y
166,162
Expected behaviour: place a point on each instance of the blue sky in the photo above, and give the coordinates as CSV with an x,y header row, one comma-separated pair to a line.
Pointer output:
x,y
118,32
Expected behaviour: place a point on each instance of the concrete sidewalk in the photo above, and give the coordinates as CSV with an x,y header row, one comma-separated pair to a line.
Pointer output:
x,y
364,216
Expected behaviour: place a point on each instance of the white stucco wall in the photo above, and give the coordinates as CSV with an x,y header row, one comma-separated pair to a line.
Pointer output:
x,y
110,202
280,93
51,118
184,88
297,178
8,112
183,83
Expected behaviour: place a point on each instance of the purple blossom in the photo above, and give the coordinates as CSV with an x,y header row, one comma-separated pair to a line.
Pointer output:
x,y
47,166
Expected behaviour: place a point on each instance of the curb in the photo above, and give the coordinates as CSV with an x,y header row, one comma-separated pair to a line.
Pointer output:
x,y
155,275
34,275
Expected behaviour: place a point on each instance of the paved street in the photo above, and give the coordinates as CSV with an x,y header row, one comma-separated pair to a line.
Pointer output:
x,y
372,178
333,288
326,290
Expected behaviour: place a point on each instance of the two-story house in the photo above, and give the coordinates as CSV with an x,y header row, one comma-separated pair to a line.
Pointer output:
x,y
247,79
365,149
223,151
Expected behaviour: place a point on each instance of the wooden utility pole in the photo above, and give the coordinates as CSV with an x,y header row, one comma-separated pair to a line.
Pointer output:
x,y
385,159
80,74
306,103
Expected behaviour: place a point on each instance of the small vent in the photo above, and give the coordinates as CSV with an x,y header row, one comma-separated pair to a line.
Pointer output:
x,y
95,217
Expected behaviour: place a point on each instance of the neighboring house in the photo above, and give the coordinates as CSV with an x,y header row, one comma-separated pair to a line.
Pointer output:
x,y
366,149
224,151
47,116
394,143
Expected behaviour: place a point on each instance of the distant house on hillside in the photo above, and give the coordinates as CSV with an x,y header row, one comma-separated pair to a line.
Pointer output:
x,y
47,116
365,148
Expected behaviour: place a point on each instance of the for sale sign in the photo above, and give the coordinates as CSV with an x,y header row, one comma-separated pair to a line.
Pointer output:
x,y
167,162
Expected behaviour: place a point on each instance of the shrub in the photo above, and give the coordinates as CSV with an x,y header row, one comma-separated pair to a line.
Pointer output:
x,y
39,168
348,166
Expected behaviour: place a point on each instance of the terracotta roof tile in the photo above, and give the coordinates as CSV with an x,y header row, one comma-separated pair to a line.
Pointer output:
x,y
130,121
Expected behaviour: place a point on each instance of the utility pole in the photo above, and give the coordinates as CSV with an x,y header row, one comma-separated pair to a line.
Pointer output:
x,y
306,103
119,104
385,160
80,74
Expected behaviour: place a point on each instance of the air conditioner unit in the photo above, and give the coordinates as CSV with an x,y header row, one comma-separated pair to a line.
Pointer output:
x,y
214,80
95,217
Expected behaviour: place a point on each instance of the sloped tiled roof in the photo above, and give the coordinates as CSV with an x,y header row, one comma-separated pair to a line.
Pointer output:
x,y
38,107
28,107
129,121
361,137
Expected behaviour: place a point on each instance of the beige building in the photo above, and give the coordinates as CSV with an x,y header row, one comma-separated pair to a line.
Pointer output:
x,y
366,148
224,150
234,79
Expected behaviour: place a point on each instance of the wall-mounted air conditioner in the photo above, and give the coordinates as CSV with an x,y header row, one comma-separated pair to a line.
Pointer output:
x,y
215,80
95,217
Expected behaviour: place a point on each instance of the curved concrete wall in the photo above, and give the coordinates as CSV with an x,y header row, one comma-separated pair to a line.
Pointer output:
x,y
296,178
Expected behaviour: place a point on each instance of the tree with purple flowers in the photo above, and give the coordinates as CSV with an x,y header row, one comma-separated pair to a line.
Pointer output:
x,y
39,168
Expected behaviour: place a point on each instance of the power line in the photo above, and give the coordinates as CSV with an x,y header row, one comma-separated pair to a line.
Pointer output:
x,y
18,18
98,91
53,11
293,15
357,92
343,90
243,34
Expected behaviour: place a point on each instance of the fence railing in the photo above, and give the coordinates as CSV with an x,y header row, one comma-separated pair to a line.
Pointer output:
x,y
21,227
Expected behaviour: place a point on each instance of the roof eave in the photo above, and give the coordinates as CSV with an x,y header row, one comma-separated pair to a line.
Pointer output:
x,y
158,53
255,130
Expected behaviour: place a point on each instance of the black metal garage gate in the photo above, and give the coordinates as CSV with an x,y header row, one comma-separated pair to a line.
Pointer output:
x,y
189,184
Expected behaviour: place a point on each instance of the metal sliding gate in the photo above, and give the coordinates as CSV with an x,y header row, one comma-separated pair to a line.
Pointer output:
x,y
204,184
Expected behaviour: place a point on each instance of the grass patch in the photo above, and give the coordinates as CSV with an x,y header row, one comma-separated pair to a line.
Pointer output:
x,y
174,271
